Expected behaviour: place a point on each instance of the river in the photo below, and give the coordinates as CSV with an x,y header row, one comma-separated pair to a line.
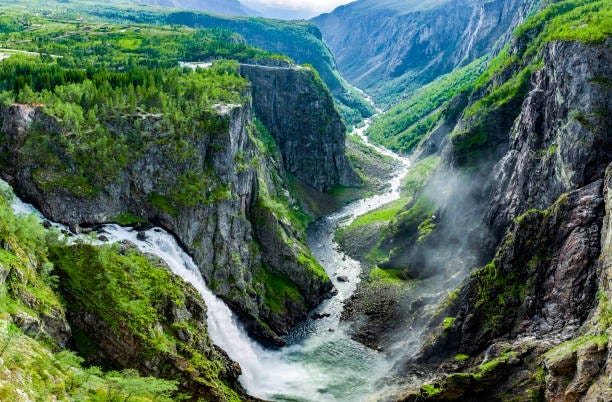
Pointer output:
x,y
321,362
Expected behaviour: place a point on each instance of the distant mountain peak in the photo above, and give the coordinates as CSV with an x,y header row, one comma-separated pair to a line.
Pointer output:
x,y
223,7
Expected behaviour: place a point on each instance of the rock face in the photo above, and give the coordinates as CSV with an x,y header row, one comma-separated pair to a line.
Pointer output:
x,y
211,213
177,316
300,40
541,206
382,45
560,141
300,114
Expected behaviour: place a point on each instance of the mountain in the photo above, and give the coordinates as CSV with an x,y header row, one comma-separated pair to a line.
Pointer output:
x,y
391,48
223,7
497,261
200,153
300,40
277,11
172,170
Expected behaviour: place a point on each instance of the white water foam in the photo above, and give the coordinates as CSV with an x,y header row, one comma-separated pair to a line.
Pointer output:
x,y
322,363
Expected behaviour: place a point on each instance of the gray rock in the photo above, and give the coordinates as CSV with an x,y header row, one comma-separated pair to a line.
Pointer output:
x,y
300,114
413,42
220,235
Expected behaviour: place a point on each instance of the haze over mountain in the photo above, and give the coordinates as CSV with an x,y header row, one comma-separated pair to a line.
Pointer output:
x,y
293,9
391,47
277,9
223,7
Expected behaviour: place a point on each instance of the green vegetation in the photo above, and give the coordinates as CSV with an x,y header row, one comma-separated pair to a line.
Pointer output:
x,y
588,21
570,347
457,385
430,390
224,37
128,292
505,82
448,322
383,214
82,41
514,88
403,126
389,276
93,108
499,293
127,219
132,293
32,369
367,231
280,292
279,215
30,279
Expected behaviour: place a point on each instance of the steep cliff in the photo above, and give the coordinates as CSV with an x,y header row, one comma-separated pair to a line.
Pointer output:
x,y
299,113
115,307
500,252
391,48
533,313
546,196
209,189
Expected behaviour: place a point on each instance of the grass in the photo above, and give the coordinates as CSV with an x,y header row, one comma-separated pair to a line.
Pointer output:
x,y
448,322
280,292
403,126
127,219
380,215
570,347
389,276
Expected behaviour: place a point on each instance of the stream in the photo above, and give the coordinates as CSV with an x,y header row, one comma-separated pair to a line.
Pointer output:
x,y
321,362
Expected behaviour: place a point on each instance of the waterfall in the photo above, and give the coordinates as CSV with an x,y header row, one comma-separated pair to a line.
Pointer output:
x,y
321,362
265,374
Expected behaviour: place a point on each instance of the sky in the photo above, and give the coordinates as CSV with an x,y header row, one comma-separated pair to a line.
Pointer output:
x,y
296,8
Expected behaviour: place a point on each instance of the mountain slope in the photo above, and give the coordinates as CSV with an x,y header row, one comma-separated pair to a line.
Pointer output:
x,y
501,253
223,7
180,148
390,48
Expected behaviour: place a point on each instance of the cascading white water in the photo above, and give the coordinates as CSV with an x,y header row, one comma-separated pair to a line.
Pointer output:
x,y
321,362
265,373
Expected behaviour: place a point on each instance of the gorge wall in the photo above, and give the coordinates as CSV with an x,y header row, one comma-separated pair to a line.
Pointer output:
x,y
534,220
392,48
300,114
223,193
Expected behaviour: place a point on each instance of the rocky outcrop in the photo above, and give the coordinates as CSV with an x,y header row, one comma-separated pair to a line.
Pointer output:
x,y
207,197
540,205
542,282
560,142
382,46
167,339
581,369
300,114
